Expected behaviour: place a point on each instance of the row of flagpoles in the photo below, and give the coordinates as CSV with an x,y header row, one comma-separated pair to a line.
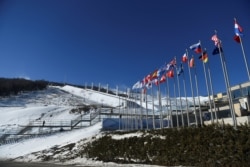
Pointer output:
x,y
166,72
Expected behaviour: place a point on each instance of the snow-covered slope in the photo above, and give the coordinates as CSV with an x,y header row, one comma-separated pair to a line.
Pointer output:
x,y
52,104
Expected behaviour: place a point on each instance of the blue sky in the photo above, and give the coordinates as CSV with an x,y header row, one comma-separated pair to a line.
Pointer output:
x,y
118,42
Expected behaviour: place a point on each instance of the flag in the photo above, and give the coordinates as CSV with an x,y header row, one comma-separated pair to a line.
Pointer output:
x,y
137,85
170,73
180,70
204,57
216,40
156,82
171,64
237,29
196,48
163,79
149,85
153,75
217,50
191,62
161,70
184,58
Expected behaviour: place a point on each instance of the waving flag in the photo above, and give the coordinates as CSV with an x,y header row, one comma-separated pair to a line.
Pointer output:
x,y
171,64
204,57
180,70
156,82
196,48
170,73
184,58
217,50
217,43
137,85
191,62
216,40
238,30
161,70
153,75
163,79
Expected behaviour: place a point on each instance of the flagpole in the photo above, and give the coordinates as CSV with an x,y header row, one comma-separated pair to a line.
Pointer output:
x,y
244,55
229,95
146,99
167,105
208,92
178,86
197,92
176,112
160,105
141,108
153,107
185,93
135,115
212,91
169,99
192,90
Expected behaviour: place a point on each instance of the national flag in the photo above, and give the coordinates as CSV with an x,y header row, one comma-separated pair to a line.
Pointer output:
x,y
163,79
237,29
191,62
180,70
217,50
161,70
196,48
204,57
137,85
153,75
149,85
146,79
184,58
171,64
216,40
170,73
156,82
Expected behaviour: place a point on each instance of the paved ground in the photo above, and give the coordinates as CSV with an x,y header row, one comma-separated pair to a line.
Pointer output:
x,y
25,164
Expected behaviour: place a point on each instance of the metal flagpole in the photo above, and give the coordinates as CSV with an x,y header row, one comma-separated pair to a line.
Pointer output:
x,y
212,91
197,91
170,105
153,106
229,95
229,92
244,55
146,99
141,124
135,109
178,85
192,90
160,106
168,115
176,112
208,92
185,93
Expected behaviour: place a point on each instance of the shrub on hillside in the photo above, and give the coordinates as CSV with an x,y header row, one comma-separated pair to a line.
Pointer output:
x,y
205,146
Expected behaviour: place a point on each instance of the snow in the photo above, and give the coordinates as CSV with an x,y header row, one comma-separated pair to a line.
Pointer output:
x,y
54,103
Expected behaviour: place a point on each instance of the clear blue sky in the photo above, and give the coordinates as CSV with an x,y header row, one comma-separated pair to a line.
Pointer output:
x,y
118,42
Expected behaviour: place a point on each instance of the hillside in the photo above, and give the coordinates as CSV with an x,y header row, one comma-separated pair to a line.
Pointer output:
x,y
55,105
